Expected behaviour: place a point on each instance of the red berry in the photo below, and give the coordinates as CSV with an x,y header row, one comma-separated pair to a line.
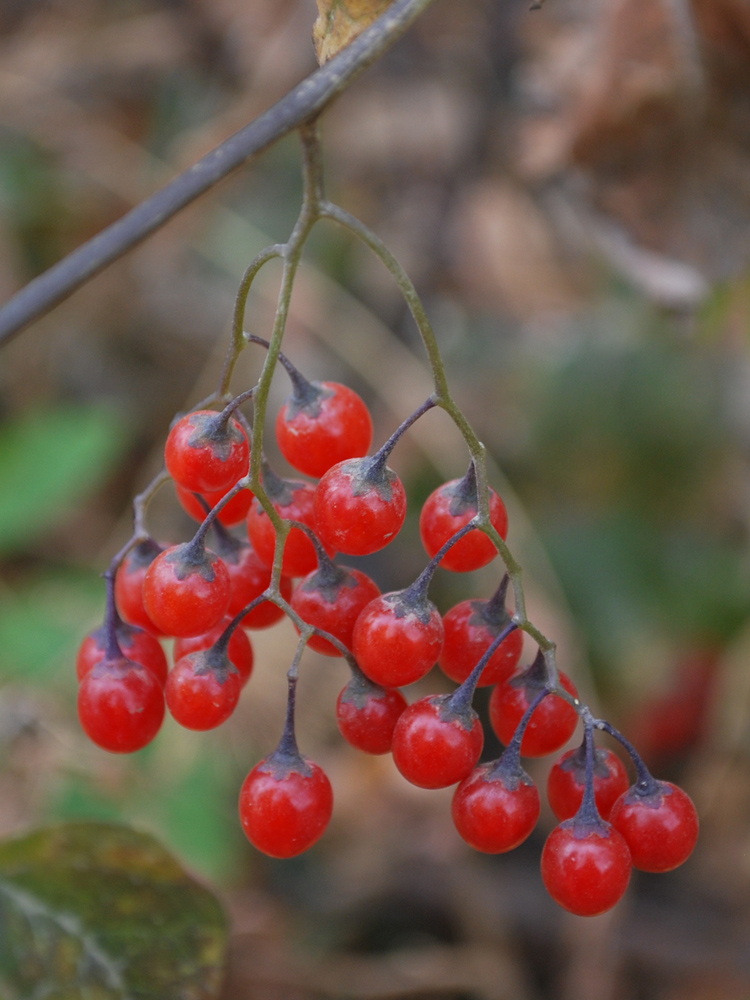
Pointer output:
x,y
136,644
239,650
205,453
433,745
470,629
396,642
550,726
449,509
367,715
586,869
660,826
129,585
249,577
332,599
327,425
494,811
202,690
234,512
357,511
186,590
120,705
294,501
567,780
285,805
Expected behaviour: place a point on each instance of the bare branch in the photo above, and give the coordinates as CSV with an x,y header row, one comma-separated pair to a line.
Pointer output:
x,y
301,104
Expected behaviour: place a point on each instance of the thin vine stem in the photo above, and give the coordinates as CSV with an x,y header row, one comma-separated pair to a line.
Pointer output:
x,y
444,399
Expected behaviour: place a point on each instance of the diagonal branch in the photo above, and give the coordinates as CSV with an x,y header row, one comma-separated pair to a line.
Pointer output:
x,y
301,104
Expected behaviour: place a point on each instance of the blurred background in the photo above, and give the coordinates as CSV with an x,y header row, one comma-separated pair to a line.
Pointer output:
x,y
570,192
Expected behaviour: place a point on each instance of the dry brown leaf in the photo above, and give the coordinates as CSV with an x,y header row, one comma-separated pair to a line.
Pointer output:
x,y
340,21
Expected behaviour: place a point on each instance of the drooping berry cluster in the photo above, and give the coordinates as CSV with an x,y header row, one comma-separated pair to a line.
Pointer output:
x,y
207,597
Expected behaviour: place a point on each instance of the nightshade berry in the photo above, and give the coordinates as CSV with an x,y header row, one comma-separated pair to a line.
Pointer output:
x,y
448,509
470,628
207,452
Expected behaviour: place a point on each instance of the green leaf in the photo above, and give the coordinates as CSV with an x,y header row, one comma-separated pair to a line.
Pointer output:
x,y
49,459
95,911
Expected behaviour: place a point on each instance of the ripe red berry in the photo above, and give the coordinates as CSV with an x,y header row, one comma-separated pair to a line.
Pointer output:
x,y
239,650
360,507
495,811
433,745
129,585
397,641
660,825
207,453
449,509
285,805
470,629
332,599
202,690
136,644
186,590
294,501
232,513
551,725
586,868
567,780
120,705
367,714
323,424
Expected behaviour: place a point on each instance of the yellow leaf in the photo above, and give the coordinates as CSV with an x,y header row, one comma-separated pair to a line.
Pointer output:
x,y
340,21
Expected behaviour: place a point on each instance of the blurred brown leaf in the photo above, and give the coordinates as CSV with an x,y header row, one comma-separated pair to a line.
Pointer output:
x,y
340,21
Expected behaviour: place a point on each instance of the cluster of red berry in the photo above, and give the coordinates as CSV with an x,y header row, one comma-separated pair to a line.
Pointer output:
x,y
207,598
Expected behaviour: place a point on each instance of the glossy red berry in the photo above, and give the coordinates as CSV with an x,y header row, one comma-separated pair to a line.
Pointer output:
x,y
120,705
202,690
232,513
367,715
448,509
136,644
186,590
660,825
332,598
586,869
495,811
567,780
239,650
322,425
435,746
285,805
360,507
129,585
294,501
470,629
396,641
206,453
550,726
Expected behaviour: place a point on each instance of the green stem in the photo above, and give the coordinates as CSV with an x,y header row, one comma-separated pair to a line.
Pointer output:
x,y
444,399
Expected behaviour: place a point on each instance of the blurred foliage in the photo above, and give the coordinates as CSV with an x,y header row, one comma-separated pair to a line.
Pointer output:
x,y
50,459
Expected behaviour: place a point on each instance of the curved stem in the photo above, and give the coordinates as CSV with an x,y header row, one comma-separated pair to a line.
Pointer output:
x,y
646,783
510,759
463,696
417,591
444,399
